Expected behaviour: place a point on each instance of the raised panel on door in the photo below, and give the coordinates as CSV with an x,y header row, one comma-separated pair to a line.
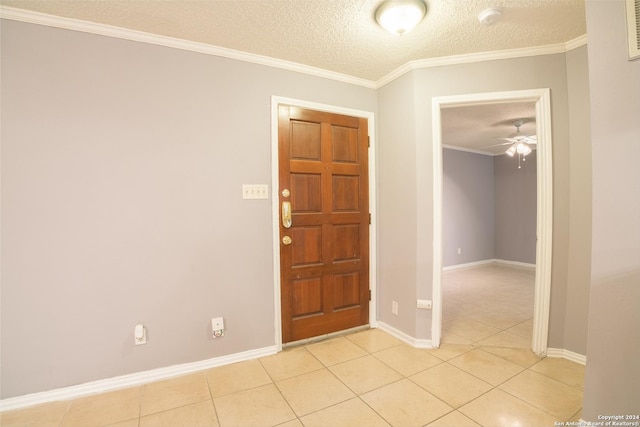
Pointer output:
x,y
325,268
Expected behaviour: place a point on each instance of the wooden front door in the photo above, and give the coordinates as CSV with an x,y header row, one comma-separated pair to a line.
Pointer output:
x,y
324,251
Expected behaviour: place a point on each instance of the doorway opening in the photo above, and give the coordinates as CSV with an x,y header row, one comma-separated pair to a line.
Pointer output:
x,y
541,99
489,224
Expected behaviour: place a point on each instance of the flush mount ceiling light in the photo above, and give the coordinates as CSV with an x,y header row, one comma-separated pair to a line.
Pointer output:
x,y
400,16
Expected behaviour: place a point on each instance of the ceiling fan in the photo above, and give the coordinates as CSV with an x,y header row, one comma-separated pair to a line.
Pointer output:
x,y
518,142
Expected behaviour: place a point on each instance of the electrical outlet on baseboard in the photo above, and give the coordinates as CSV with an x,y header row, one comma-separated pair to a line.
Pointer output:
x,y
425,303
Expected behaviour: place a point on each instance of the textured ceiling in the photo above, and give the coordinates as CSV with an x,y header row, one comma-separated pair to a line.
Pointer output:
x,y
336,35
479,127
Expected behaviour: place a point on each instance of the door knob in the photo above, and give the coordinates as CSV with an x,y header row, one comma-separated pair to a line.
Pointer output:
x,y
286,240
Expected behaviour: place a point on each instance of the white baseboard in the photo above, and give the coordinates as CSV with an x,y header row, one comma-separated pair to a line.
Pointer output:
x,y
566,354
469,265
421,343
414,342
516,264
140,378
484,262
130,380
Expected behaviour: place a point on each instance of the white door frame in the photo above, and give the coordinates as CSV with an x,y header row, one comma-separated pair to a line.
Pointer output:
x,y
275,101
544,222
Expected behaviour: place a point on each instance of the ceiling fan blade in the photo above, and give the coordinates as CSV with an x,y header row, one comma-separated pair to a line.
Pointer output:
x,y
497,145
526,139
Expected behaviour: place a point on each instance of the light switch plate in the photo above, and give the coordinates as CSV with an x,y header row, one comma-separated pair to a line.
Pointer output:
x,y
255,191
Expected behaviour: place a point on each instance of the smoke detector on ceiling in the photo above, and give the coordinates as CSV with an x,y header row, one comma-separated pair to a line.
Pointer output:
x,y
490,16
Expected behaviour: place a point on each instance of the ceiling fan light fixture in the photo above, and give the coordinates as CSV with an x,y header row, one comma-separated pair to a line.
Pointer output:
x,y
400,16
523,149
519,142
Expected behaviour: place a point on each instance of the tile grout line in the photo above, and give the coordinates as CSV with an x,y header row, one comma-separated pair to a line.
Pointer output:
x,y
213,403
140,405
297,417
529,403
493,387
357,395
403,377
497,387
64,414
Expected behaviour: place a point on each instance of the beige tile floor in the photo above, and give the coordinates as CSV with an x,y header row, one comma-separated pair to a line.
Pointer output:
x,y
489,305
366,378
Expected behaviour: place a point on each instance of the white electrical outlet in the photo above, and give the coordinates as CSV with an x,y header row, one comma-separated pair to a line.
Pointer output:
x,y
424,303
140,335
255,191
459,251
217,327
394,307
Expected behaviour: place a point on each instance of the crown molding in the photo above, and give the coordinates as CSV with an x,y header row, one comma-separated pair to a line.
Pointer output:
x,y
31,17
482,57
470,150
576,43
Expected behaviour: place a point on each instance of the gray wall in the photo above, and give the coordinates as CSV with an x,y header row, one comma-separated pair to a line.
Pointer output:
x,y
569,302
122,167
406,189
579,262
397,212
516,204
468,207
488,208
613,351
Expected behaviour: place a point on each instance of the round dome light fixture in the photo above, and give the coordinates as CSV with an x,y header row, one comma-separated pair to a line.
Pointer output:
x,y
490,16
400,16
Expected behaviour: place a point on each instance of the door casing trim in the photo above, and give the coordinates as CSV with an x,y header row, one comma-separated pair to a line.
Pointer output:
x,y
275,208
544,209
